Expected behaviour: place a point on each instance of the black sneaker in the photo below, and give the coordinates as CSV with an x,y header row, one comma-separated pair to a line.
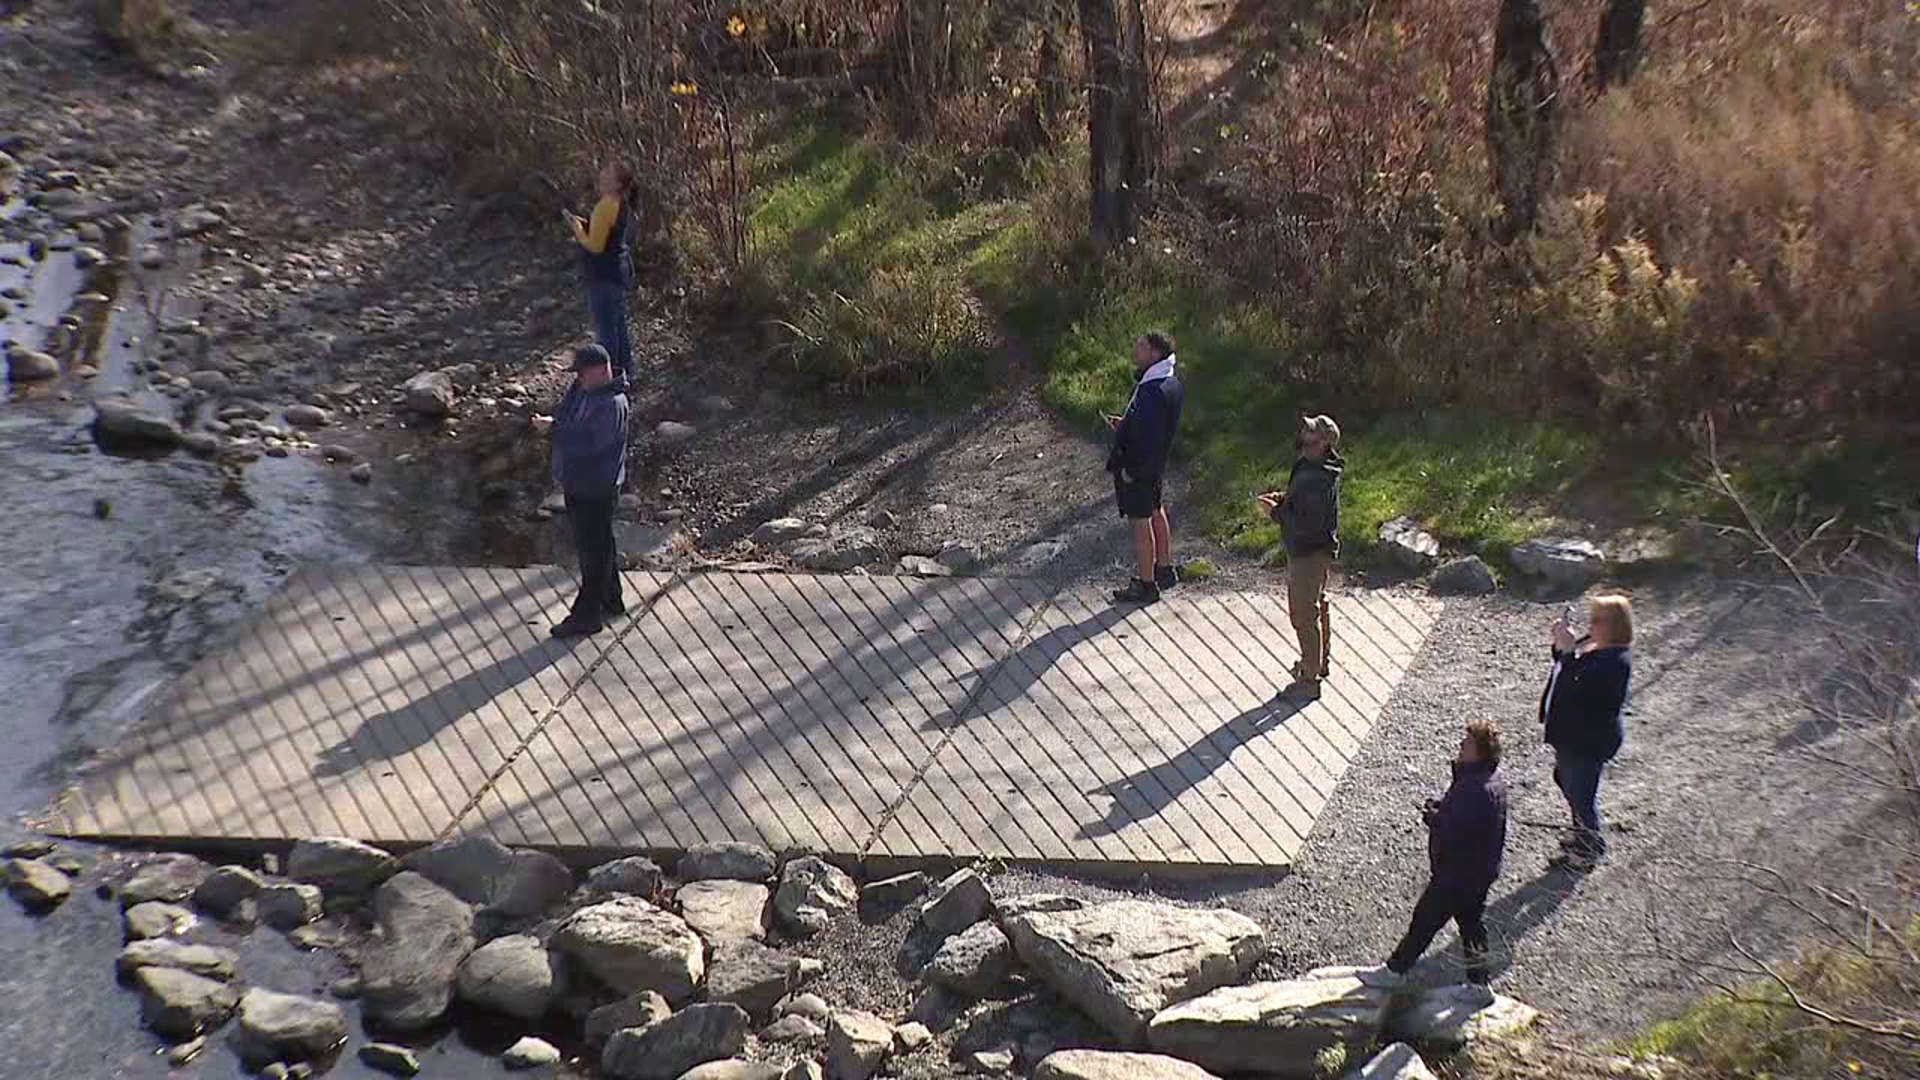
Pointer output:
x,y
571,627
1577,862
1137,592
1166,577
617,609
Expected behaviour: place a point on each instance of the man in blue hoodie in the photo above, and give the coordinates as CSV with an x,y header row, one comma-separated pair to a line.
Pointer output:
x,y
1142,441
1466,840
589,433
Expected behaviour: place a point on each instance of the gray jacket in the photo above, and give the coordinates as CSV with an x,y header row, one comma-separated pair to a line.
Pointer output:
x,y
1309,517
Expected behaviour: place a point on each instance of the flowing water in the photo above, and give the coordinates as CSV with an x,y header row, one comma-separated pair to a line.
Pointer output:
x,y
117,570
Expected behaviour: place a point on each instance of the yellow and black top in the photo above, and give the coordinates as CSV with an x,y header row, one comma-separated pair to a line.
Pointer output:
x,y
603,241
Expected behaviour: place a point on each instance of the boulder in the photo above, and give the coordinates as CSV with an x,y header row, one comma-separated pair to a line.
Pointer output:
x,y
750,975
1014,906
858,1043
673,433
1407,545
733,1069
26,365
1566,562
631,946
1111,1065
636,876
206,961
813,892
226,889
1449,1017
804,1070
1396,1062
169,879
693,1036
839,553
958,557
390,1059
121,422
1123,962
955,904
721,910
28,849
286,1027
728,859
288,907
812,1006
637,1011
35,885
894,893
780,532
920,566
513,975
426,933
307,416
910,1037
180,1005
339,863
1470,576
156,920
1274,1028
973,963
789,1029
430,394
483,872
995,1062
530,1053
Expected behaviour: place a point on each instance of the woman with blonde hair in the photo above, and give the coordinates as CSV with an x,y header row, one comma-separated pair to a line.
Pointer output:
x,y
607,261
1581,709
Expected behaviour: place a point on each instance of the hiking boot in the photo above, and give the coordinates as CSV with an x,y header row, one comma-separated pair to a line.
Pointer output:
x,y
616,610
1137,592
1166,577
1304,690
571,627
1575,861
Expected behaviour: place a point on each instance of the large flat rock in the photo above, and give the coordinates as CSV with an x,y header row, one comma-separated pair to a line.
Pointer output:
x,y
1275,1028
1124,962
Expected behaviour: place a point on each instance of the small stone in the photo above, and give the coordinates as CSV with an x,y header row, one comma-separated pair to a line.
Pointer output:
x,y
732,1069
362,473
804,1070
894,893
723,910
289,907
181,1005
513,975
26,365
430,394
1470,576
88,257
152,258
1565,562
812,893
285,1027
37,886
812,1006
184,1053
427,932
337,453
390,1059
693,1036
275,1071
955,904
346,987
973,963
637,1011
636,876
202,445
308,416
339,863
921,566
780,532
630,945
67,865
206,961
792,1029
990,1062
1407,545
530,1053
750,975
169,879
885,519
911,1036
1396,1062
1112,1065
673,433
157,920
958,558
117,420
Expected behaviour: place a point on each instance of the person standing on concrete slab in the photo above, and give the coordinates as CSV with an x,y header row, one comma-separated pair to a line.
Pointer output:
x,y
1308,514
1466,840
1581,708
589,433
1142,440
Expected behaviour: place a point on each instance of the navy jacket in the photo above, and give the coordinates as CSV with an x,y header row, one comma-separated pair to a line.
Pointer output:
x,y
1144,438
1467,829
1309,517
590,440
1582,703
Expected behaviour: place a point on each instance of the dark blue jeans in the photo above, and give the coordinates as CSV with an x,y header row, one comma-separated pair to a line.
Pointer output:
x,y
1579,780
607,304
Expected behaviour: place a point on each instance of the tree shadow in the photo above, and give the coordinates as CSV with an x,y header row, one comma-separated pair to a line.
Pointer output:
x,y
401,731
1019,672
1146,793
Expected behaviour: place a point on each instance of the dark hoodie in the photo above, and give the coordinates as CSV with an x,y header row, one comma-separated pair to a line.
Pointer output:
x,y
1309,517
590,440
1467,829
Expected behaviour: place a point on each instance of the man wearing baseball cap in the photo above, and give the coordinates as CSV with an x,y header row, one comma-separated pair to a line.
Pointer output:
x,y
1308,514
589,433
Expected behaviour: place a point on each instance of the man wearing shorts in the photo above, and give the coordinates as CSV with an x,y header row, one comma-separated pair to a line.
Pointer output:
x,y
1142,438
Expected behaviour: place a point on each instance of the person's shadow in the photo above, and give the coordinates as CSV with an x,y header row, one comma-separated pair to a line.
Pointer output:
x,y
1010,680
1146,793
403,730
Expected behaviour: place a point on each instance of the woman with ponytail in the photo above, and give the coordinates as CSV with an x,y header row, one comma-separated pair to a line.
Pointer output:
x,y
607,259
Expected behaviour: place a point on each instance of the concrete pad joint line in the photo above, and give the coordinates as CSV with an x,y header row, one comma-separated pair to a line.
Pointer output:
x,y
961,715
634,616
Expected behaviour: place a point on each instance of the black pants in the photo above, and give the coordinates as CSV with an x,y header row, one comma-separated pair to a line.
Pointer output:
x,y
599,562
1438,905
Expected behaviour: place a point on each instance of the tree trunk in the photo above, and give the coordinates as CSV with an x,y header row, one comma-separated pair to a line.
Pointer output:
x,y
1522,104
1617,52
1119,120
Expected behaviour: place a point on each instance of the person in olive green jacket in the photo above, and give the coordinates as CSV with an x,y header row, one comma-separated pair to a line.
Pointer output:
x,y
1308,513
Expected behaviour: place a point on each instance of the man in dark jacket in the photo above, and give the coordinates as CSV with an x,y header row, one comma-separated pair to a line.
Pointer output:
x,y
1142,440
1308,514
589,432
1466,837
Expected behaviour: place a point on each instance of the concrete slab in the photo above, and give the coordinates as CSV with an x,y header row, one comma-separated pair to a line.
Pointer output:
x,y
856,716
